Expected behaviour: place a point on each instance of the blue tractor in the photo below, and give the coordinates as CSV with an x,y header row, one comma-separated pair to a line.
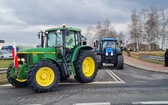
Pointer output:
x,y
108,51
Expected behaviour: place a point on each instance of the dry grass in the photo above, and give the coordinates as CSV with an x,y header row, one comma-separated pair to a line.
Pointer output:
x,y
152,53
3,79
5,63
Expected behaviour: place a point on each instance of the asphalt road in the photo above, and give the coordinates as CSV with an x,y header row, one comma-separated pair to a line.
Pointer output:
x,y
111,87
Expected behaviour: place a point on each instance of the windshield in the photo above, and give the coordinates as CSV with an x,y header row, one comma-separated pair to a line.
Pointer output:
x,y
5,52
54,39
109,44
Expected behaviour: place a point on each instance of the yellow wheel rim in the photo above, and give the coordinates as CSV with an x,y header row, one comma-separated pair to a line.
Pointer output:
x,y
45,76
88,67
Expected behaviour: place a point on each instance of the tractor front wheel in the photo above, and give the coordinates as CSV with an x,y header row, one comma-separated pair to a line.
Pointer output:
x,y
43,76
86,66
13,81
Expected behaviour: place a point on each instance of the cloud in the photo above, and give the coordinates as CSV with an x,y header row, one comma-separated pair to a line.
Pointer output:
x,y
21,20
59,11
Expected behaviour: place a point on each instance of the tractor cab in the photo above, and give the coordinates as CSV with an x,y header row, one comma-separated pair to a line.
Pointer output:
x,y
107,43
63,39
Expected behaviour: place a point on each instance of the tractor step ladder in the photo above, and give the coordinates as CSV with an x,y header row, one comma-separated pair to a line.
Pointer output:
x,y
71,68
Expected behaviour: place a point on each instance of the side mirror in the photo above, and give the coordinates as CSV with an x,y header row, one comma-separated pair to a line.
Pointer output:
x,y
120,41
38,35
96,43
84,42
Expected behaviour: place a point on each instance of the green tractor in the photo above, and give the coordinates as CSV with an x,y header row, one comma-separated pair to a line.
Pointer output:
x,y
63,52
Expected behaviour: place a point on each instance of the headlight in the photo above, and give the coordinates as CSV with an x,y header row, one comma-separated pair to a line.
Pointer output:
x,y
22,59
106,53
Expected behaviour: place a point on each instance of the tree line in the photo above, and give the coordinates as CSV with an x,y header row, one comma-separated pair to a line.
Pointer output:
x,y
147,27
101,30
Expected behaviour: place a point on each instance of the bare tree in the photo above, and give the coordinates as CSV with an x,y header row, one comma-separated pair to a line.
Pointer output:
x,y
163,31
105,29
98,30
90,35
102,31
135,28
121,36
152,26
143,15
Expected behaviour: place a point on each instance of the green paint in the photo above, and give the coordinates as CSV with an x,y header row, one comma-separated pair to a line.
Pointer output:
x,y
75,52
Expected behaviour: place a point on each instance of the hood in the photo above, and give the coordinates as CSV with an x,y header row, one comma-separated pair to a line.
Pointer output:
x,y
37,50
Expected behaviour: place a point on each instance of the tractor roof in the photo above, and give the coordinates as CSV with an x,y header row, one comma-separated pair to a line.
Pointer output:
x,y
109,39
61,28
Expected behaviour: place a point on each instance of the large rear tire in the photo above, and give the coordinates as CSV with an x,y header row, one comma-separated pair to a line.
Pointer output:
x,y
13,81
43,76
120,62
86,66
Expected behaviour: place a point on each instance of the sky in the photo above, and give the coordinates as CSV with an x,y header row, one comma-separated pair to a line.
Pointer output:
x,y
20,20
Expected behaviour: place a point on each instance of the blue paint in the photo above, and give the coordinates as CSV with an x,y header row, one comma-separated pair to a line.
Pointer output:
x,y
109,51
109,39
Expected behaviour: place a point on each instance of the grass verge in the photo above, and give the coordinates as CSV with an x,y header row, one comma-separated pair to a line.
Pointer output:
x,y
3,79
5,63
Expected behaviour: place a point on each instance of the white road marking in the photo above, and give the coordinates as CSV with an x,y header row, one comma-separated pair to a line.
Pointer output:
x,y
98,103
32,104
96,83
75,83
114,76
117,77
152,102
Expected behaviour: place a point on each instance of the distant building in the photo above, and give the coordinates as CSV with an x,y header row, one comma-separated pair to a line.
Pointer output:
x,y
2,41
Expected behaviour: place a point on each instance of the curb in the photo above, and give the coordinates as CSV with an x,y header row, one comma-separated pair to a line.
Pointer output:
x,y
160,71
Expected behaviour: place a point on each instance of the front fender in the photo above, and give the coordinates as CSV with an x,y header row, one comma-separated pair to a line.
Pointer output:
x,y
77,50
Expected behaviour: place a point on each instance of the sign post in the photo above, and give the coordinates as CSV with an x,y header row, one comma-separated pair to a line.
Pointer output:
x,y
2,41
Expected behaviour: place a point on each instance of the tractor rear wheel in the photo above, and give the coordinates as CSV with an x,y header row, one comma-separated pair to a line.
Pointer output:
x,y
43,76
120,62
13,81
86,66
